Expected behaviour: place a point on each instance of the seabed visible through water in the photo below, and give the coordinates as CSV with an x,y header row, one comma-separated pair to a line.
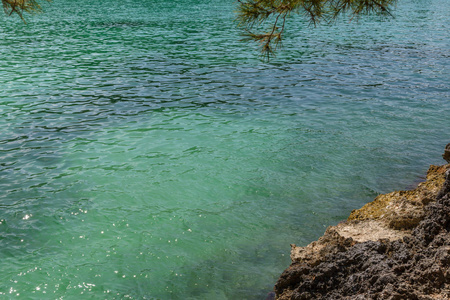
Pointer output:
x,y
147,153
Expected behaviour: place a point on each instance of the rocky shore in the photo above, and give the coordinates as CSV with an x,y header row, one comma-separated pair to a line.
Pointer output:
x,y
396,247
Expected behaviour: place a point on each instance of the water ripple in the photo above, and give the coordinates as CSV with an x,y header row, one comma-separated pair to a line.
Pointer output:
x,y
147,153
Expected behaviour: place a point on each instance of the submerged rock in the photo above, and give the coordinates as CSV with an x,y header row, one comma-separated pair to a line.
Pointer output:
x,y
396,247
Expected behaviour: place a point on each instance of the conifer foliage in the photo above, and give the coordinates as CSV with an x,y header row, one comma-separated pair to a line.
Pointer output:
x,y
20,6
254,15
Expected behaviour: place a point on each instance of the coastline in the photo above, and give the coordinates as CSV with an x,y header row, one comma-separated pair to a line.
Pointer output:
x,y
395,247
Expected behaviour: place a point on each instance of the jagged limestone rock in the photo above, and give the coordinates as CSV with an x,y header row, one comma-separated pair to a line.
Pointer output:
x,y
396,247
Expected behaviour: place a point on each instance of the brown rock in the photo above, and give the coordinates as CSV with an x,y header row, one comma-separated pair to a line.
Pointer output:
x,y
446,154
396,247
403,209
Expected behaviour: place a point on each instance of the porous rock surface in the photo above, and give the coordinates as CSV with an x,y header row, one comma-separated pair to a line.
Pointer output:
x,y
396,247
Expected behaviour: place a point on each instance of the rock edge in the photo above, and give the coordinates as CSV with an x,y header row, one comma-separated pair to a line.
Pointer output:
x,y
395,247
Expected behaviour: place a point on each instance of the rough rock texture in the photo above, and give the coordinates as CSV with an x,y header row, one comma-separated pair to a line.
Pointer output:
x,y
446,154
396,247
403,209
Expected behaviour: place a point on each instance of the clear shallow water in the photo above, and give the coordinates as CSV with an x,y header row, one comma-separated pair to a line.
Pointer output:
x,y
147,154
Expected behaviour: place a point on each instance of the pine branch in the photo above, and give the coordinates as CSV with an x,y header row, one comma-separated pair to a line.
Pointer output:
x,y
20,6
254,14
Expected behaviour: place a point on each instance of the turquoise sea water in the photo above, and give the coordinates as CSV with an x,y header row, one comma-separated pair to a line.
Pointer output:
x,y
146,153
